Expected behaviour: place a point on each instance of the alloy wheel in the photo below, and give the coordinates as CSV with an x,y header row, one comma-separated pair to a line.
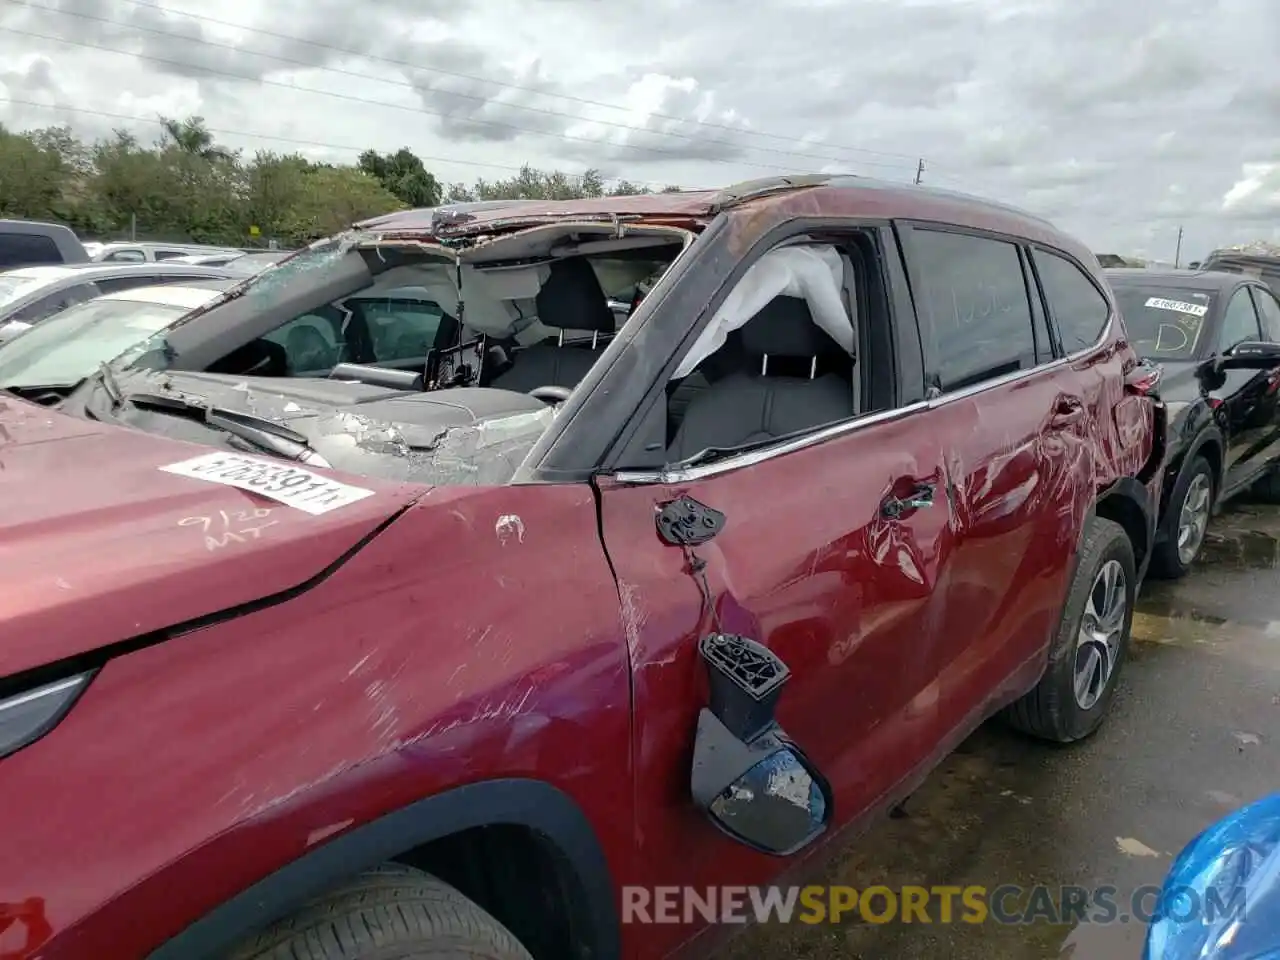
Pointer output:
x,y
1193,518
1101,630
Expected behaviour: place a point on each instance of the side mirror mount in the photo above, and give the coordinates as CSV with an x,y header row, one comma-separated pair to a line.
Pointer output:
x,y
752,782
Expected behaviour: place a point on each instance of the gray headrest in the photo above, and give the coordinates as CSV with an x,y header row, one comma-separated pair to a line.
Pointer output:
x,y
572,298
785,328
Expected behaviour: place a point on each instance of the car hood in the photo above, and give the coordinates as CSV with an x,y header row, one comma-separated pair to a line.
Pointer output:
x,y
100,545
1221,898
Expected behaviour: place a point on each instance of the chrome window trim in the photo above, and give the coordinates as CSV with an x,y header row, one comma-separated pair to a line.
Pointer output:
x,y
822,434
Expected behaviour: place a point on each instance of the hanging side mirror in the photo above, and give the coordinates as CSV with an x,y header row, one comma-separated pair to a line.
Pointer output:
x,y
748,777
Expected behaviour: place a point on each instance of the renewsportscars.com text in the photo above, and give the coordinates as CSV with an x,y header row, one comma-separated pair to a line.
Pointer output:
x,y
1006,904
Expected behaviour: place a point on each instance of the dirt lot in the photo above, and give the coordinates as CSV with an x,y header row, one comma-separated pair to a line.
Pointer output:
x,y
1195,732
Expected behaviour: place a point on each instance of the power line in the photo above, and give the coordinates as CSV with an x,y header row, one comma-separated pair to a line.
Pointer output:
x,y
368,101
294,141
497,83
405,84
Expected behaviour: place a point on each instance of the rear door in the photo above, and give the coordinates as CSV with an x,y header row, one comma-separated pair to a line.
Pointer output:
x,y
1015,426
814,561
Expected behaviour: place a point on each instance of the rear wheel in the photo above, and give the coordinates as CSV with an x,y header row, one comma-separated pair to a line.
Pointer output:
x,y
1089,648
1185,522
393,912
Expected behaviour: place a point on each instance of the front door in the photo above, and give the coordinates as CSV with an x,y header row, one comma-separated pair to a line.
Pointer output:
x,y
1244,394
1268,411
809,564
834,553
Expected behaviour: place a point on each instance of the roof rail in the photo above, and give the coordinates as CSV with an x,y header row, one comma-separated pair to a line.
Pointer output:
x,y
751,189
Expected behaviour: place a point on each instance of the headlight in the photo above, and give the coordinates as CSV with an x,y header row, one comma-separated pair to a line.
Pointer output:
x,y
26,717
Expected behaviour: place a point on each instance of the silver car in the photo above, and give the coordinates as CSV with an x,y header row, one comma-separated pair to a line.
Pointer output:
x,y
31,294
58,354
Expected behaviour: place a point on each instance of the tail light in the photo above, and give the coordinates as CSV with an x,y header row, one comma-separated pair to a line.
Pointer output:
x,y
1144,379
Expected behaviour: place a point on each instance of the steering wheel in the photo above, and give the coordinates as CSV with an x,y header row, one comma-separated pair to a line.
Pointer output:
x,y
550,393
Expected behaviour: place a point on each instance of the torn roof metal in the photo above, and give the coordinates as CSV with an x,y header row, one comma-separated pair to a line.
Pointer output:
x,y
757,200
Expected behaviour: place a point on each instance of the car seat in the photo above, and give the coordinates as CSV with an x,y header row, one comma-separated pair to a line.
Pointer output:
x,y
779,389
571,299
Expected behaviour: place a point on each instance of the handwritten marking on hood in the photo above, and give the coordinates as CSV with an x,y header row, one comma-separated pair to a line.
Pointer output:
x,y
509,525
1131,847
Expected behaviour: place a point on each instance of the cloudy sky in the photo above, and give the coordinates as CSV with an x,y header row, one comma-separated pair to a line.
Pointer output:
x,y
1119,120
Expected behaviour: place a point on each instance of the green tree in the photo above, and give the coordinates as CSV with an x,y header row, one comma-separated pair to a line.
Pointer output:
x,y
402,174
191,136
336,197
534,184
187,186
33,178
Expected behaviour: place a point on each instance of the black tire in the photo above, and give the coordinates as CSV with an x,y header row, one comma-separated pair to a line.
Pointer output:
x,y
1051,711
1165,562
393,912
1268,488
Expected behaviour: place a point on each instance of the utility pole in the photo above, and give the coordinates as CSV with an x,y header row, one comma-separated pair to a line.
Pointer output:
x,y
919,170
1177,254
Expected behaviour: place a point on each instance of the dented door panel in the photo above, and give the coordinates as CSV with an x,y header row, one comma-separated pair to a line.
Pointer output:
x,y
1022,485
809,564
1027,459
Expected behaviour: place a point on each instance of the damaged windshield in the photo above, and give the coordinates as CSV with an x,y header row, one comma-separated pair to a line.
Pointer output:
x,y
478,437
403,360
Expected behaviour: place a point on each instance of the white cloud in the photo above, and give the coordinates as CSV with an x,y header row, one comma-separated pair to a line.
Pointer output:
x,y
1088,112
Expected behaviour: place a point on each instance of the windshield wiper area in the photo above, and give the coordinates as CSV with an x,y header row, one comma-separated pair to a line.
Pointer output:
x,y
107,377
257,432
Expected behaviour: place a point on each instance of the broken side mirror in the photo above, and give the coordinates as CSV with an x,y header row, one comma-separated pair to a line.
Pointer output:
x,y
755,784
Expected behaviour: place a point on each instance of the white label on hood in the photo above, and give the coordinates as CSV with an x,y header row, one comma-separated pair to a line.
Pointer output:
x,y
1180,306
273,479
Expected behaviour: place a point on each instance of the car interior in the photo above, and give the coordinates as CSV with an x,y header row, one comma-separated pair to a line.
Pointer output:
x,y
779,356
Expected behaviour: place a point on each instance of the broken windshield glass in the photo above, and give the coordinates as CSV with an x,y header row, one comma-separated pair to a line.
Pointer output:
x,y
483,454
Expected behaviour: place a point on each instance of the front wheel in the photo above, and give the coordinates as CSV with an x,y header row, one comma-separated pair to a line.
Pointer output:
x,y
1091,642
393,912
1185,523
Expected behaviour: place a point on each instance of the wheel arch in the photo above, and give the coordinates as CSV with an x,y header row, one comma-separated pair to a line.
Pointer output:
x,y
1127,502
1208,443
533,805
1210,446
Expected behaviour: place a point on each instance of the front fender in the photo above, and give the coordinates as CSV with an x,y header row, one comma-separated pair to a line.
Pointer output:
x,y
520,802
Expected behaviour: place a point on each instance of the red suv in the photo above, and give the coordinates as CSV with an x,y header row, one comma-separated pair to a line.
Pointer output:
x,y
437,661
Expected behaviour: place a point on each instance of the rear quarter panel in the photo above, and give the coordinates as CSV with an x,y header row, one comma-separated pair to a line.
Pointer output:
x,y
452,649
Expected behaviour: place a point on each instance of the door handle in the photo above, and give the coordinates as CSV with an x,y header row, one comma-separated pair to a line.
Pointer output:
x,y
1067,411
894,507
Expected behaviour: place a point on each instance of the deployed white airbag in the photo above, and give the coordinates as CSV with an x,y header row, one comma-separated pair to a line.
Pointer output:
x,y
813,272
